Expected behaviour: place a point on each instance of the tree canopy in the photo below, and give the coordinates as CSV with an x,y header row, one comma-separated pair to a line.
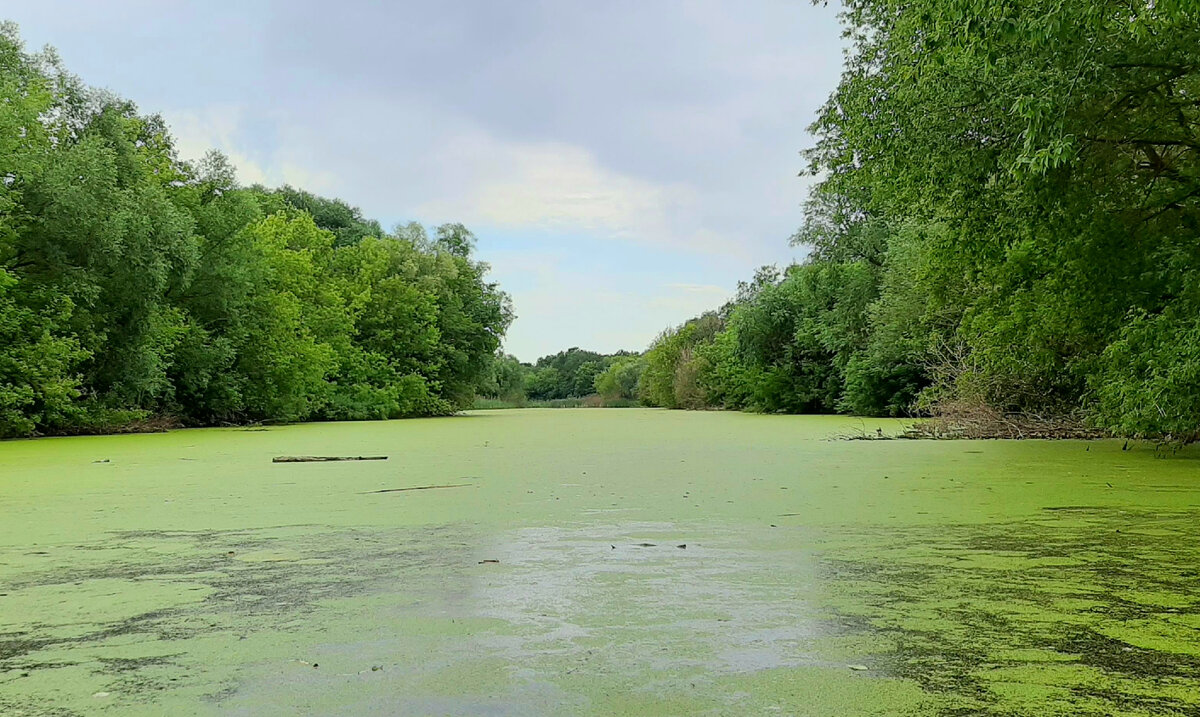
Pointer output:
x,y
1007,216
136,285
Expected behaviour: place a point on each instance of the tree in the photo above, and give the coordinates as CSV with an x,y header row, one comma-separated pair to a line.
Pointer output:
x,y
542,383
671,379
505,380
584,382
334,215
621,380
1046,157
135,284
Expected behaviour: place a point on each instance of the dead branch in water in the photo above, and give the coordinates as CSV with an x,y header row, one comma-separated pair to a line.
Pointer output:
x,y
325,459
976,420
415,487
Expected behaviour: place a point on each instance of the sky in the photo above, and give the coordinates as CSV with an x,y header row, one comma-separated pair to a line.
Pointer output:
x,y
623,163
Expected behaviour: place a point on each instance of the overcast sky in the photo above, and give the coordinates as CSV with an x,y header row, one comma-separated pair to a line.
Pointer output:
x,y
623,163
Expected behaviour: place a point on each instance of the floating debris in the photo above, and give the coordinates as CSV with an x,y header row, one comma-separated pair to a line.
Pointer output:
x,y
416,487
324,459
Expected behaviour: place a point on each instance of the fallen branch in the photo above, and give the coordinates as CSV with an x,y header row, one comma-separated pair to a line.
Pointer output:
x,y
325,459
415,487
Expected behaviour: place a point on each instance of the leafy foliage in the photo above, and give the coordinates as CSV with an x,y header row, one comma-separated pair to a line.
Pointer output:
x,y
1006,217
1041,167
621,380
134,284
673,377
568,374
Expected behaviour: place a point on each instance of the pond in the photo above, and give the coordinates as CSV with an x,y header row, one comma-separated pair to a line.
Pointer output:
x,y
585,561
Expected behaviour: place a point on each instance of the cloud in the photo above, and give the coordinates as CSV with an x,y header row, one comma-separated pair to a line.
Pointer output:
x,y
592,256
621,162
225,129
557,186
404,162
197,132
682,301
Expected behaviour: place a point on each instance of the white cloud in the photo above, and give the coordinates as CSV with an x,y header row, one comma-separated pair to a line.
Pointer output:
x,y
592,177
403,161
559,307
197,132
223,128
683,301
558,186
400,164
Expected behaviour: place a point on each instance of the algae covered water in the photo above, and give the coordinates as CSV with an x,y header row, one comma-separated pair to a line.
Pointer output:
x,y
636,562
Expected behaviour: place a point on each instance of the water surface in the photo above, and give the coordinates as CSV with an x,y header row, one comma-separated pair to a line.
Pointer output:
x,y
597,562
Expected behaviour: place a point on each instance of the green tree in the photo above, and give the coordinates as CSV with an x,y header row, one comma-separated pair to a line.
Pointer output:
x,y
334,215
672,377
505,380
133,283
1047,157
585,378
543,383
620,381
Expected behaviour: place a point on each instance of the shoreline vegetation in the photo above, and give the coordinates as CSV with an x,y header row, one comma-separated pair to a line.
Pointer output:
x,y
1003,235
985,427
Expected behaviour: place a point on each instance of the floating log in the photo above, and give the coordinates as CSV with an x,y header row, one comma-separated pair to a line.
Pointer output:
x,y
325,459
416,487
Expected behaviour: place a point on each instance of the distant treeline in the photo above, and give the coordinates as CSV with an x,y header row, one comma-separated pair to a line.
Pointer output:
x,y
575,373
1007,220
137,286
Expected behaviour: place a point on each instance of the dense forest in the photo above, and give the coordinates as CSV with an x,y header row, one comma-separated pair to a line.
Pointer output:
x,y
609,379
1006,220
135,286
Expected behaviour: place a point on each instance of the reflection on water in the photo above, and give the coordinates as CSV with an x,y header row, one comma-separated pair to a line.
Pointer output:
x,y
555,619
1083,611
655,598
